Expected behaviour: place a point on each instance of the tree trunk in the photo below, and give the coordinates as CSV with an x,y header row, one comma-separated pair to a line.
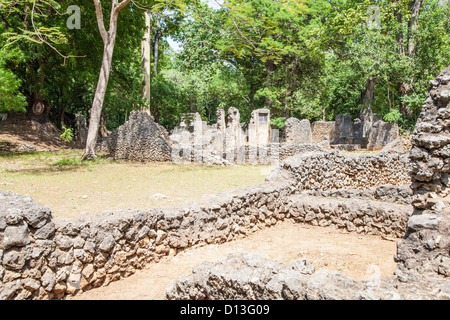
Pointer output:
x,y
400,40
414,7
146,58
270,67
97,105
368,95
109,39
156,46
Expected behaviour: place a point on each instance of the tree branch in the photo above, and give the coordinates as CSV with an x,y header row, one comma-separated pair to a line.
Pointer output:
x,y
121,5
100,22
38,34
235,24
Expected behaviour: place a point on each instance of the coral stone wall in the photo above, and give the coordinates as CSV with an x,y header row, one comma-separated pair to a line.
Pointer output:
x,y
323,128
140,138
333,170
426,247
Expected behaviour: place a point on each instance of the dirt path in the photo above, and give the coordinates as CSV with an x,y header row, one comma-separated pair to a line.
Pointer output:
x,y
350,253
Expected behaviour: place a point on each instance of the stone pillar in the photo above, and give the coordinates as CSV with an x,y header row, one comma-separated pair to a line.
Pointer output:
x,y
344,128
298,131
233,134
259,135
221,120
81,129
261,122
425,248
274,147
198,138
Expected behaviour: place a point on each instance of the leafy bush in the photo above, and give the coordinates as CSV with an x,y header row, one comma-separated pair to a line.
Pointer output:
x,y
67,135
394,116
278,122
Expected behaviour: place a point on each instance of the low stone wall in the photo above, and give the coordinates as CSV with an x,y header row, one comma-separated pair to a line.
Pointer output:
x,y
333,170
46,259
251,276
352,215
267,154
386,193
289,150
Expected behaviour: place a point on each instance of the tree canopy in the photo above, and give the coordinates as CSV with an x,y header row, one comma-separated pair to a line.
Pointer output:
x,y
306,58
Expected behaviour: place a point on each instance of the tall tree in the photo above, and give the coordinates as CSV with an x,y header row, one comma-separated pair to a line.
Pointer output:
x,y
109,40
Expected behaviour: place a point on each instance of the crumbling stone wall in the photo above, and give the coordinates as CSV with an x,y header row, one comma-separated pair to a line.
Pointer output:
x,y
323,128
251,276
333,170
370,132
298,131
140,138
426,247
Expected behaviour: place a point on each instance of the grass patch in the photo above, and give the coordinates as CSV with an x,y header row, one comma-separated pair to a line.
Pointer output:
x,y
41,154
70,162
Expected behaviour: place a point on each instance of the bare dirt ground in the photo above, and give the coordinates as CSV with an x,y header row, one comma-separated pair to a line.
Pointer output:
x,y
23,129
357,256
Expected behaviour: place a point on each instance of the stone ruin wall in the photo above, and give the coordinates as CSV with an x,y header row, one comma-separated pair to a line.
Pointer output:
x,y
227,142
43,258
367,132
333,170
319,129
138,139
426,246
423,267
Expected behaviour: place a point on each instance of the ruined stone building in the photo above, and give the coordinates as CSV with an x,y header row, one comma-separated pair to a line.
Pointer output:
x,y
230,141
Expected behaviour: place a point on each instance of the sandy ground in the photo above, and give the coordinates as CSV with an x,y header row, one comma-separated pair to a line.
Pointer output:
x,y
357,256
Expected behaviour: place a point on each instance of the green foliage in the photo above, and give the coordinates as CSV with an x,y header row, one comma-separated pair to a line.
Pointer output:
x,y
306,58
278,122
392,116
70,162
10,97
67,135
